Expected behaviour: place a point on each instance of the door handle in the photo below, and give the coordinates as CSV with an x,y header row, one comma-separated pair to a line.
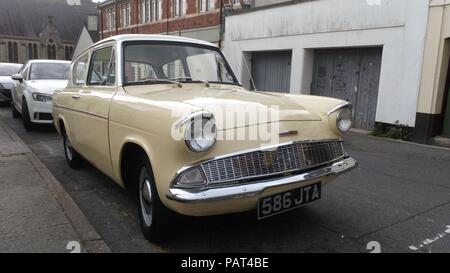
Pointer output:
x,y
76,97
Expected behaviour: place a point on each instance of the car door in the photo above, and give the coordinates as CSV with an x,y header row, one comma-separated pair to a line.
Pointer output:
x,y
19,88
91,105
67,99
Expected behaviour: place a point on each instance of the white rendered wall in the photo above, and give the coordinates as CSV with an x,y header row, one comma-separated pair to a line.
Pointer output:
x,y
399,26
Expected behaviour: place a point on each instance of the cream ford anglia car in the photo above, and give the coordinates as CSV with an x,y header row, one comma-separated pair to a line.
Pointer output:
x,y
166,117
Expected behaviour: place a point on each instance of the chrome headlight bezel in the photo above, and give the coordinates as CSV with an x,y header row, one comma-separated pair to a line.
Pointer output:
x,y
340,114
199,126
344,119
198,179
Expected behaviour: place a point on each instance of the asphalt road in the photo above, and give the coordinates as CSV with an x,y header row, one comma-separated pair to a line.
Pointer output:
x,y
399,197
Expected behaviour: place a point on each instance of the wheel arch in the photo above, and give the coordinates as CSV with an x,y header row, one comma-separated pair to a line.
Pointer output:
x,y
61,125
127,156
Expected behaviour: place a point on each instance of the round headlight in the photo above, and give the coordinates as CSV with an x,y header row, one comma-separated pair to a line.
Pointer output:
x,y
344,119
201,134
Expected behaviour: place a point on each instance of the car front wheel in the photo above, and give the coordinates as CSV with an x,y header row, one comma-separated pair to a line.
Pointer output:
x,y
74,159
154,217
26,116
14,112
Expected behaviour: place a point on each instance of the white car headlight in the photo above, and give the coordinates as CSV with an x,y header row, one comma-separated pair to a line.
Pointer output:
x,y
42,97
201,134
344,119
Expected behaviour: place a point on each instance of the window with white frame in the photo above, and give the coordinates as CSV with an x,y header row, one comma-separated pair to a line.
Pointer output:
x,y
125,18
206,5
111,19
145,4
128,14
107,20
179,7
151,10
158,9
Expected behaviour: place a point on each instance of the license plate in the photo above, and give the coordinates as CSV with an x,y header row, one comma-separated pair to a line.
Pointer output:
x,y
282,202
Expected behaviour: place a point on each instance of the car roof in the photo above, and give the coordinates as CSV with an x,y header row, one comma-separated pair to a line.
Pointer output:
x,y
152,37
48,61
10,64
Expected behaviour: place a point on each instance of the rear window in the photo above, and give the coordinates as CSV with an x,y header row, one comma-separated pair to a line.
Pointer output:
x,y
9,70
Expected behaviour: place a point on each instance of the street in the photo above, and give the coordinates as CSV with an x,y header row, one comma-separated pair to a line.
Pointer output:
x,y
399,197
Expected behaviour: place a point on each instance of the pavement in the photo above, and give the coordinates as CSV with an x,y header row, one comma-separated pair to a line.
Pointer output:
x,y
398,200
37,214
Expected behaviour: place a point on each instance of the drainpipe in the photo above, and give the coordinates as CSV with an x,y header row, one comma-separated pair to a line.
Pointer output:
x,y
138,15
220,23
101,23
117,19
167,17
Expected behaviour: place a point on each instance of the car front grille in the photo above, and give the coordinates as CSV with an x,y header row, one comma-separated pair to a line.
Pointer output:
x,y
282,159
6,93
43,116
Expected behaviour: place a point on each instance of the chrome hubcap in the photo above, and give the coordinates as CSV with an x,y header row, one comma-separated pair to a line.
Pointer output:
x,y
68,148
146,198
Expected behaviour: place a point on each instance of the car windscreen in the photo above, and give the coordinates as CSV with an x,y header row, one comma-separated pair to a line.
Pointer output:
x,y
49,71
156,62
9,70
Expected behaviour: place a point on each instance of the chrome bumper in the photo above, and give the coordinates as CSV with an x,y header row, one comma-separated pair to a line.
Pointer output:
x,y
241,191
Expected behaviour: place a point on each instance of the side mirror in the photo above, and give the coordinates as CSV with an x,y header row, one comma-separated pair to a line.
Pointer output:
x,y
17,77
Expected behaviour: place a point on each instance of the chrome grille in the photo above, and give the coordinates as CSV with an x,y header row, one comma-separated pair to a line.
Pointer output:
x,y
286,158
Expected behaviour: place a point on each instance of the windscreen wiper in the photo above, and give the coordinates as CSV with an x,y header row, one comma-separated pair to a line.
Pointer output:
x,y
189,79
153,81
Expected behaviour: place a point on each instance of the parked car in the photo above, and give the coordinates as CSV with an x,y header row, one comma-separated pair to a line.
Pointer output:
x,y
32,96
145,110
6,83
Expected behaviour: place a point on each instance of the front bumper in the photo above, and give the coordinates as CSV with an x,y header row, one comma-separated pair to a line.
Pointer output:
x,y
40,112
255,189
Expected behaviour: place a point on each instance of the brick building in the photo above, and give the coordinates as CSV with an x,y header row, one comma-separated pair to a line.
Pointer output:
x,y
198,19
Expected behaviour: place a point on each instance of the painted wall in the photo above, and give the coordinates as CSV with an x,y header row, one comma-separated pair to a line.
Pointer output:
x,y
436,58
397,25
84,42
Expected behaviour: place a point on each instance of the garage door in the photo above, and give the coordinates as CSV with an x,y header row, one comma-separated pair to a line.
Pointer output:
x,y
271,70
352,75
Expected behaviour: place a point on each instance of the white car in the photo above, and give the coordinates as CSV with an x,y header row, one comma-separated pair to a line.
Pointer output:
x,y
6,83
32,97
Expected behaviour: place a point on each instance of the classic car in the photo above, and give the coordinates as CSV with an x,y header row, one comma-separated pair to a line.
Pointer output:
x,y
162,116
6,83
31,97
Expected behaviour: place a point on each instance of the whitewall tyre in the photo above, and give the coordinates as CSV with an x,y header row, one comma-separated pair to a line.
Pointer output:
x,y
154,217
74,159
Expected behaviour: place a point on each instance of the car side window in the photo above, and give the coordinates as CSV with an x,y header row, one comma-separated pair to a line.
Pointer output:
x,y
102,67
79,70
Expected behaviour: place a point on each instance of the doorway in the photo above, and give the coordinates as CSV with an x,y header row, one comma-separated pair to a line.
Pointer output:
x,y
271,70
446,106
351,74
